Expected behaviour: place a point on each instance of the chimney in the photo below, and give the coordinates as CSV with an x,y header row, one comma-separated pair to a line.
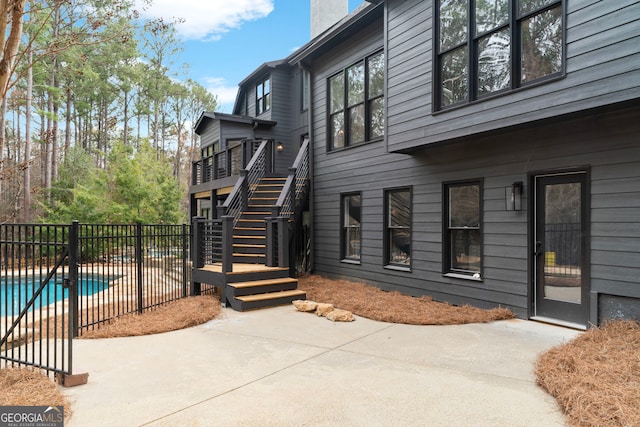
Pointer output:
x,y
325,13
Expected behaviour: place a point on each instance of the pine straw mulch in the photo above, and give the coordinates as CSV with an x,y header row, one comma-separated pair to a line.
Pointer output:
x,y
394,307
596,377
179,314
30,387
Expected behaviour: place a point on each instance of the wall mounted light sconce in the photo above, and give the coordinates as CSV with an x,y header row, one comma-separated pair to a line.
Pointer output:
x,y
513,196
279,146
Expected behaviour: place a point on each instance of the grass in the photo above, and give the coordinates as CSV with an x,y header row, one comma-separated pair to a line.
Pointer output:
x,y
595,378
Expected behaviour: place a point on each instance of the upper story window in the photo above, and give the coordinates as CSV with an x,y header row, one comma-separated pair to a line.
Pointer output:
x,y
484,47
356,103
263,96
304,91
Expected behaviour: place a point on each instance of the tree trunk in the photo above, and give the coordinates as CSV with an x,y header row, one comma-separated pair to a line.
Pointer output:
x,y
12,12
67,128
26,208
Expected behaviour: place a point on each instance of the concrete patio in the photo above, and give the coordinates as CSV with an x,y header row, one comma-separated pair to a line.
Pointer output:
x,y
280,367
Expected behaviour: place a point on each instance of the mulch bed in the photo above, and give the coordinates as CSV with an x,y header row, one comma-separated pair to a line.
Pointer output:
x,y
30,387
394,307
179,314
596,377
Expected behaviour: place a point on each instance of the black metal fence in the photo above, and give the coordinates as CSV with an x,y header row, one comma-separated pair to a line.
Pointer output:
x,y
58,281
36,272
127,269
563,248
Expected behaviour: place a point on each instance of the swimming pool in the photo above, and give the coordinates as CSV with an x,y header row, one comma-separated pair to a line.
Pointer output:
x,y
15,294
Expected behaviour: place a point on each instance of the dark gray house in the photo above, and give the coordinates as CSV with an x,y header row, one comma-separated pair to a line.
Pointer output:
x,y
482,152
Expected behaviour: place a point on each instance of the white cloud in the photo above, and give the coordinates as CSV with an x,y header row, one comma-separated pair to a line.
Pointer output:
x,y
226,93
208,19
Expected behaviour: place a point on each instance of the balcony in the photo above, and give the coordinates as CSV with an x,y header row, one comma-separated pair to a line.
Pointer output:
x,y
226,163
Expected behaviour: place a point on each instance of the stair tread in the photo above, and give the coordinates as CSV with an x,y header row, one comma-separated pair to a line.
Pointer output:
x,y
247,245
265,282
270,295
240,236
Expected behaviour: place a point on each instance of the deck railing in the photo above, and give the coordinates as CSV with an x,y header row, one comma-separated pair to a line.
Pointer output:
x,y
259,166
288,209
224,163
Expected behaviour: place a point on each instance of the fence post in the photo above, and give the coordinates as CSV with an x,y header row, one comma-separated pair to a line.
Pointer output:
x,y
139,264
74,250
196,252
185,253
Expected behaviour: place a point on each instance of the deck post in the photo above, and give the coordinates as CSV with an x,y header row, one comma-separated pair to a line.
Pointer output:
x,y
227,244
283,241
270,229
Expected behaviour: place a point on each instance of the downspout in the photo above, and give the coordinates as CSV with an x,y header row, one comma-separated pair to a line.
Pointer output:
x,y
311,166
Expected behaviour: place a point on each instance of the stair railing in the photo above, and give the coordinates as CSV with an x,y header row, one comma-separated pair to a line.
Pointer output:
x,y
288,209
244,188
213,239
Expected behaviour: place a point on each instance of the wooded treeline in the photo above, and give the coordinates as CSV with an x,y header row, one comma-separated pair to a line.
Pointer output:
x,y
91,109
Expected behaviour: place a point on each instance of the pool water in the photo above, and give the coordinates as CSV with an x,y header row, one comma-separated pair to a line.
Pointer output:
x,y
14,295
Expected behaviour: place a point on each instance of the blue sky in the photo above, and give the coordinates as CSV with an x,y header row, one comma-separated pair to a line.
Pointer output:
x,y
225,40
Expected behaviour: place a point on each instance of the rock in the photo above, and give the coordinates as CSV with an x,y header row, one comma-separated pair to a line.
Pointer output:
x,y
323,309
339,315
305,305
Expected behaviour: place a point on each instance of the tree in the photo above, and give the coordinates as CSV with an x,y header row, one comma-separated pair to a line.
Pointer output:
x,y
135,187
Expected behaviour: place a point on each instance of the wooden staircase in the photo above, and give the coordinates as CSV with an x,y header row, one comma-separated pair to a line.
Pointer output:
x,y
254,285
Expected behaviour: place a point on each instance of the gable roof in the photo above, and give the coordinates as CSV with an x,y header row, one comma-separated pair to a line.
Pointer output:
x,y
207,116
360,17
350,24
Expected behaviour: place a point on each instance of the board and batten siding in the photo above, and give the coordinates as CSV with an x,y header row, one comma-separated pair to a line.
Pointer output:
x,y
602,68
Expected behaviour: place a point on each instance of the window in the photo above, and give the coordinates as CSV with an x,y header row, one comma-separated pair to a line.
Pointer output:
x,y
304,91
356,103
207,155
263,97
398,227
486,47
351,216
462,227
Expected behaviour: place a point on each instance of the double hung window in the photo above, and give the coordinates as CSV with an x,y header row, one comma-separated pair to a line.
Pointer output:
x,y
356,103
263,96
350,234
398,227
484,47
462,228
